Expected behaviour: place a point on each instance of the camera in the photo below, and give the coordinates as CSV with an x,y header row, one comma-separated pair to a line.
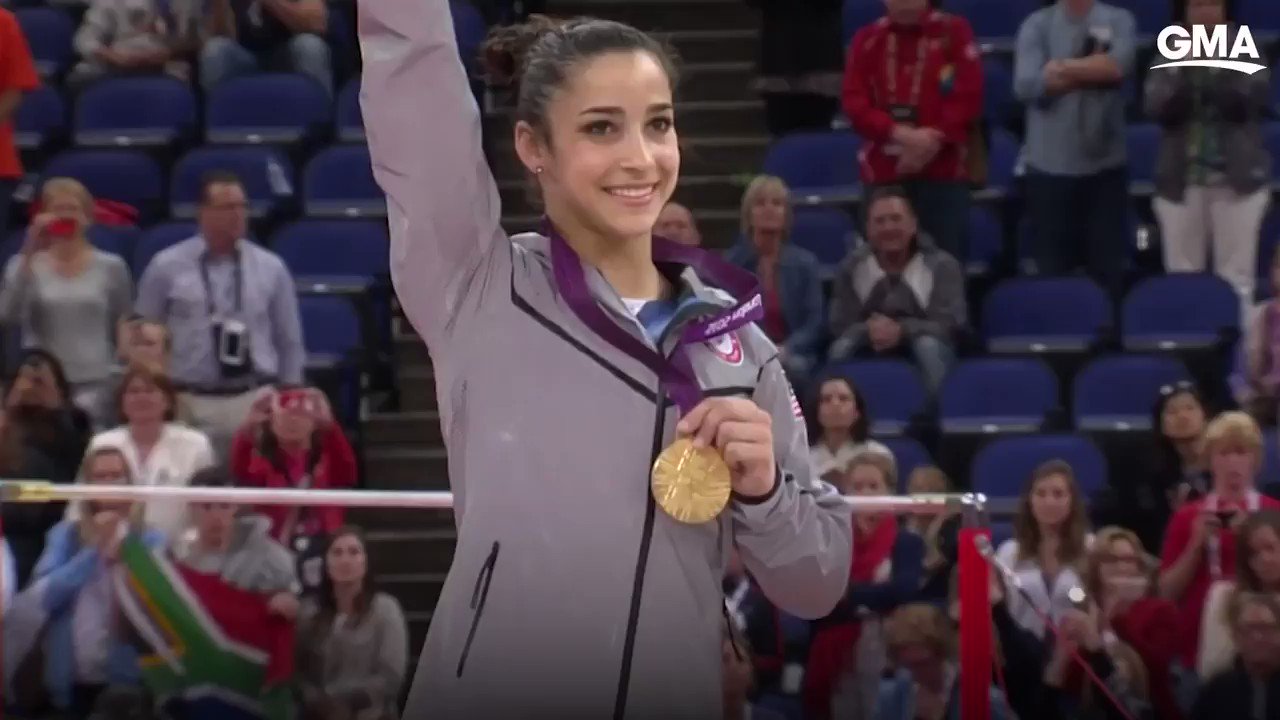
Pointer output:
x,y
231,338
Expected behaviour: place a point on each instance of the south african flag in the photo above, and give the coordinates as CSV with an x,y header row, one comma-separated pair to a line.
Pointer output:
x,y
212,648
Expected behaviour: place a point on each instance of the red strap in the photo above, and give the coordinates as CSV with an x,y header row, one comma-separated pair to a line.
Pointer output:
x,y
976,635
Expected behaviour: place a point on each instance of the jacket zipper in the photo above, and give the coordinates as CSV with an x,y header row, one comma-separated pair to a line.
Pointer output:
x,y
478,597
637,589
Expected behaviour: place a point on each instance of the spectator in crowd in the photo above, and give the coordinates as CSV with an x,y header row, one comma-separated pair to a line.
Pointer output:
x,y
1121,579
49,422
789,276
67,296
844,429
925,662
939,531
913,89
290,440
1019,656
73,582
25,524
1250,689
1069,692
1200,543
677,223
899,294
739,681
353,644
847,653
799,63
1071,61
141,343
1050,539
1257,570
17,76
286,35
161,452
1256,381
135,37
232,312
779,642
1213,171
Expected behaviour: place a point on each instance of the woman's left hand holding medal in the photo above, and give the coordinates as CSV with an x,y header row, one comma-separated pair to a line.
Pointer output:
x,y
743,435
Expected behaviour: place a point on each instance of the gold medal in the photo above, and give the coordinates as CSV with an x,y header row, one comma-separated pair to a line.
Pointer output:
x,y
690,484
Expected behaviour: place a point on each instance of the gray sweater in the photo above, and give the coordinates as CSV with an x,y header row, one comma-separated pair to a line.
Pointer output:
x,y
354,666
73,318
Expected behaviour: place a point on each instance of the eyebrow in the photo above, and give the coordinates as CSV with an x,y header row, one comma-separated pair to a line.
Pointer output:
x,y
655,108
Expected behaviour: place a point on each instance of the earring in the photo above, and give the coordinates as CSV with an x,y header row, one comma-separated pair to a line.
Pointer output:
x,y
537,170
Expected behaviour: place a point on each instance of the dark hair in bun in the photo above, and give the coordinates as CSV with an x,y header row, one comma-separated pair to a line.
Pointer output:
x,y
534,58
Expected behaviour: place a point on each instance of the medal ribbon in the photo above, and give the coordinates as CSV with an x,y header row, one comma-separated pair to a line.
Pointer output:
x,y
1213,547
675,371
918,78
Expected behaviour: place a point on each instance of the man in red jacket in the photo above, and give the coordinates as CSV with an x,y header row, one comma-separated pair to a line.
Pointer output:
x,y
17,76
913,90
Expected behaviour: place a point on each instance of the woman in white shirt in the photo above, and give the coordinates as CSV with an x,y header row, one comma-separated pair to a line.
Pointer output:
x,y
842,430
159,450
1049,543
1257,570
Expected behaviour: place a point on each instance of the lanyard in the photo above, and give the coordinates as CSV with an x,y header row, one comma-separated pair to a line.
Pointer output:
x,y
917,78
676,370
208,287
1213,547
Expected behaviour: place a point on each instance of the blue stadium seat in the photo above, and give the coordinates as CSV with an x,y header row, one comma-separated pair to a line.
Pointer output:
x,y
818,166
469,30
1143,142
992,19
128,176
134,111
1178,311
1262,17
986,239
991,395
1002,162
266,174
857,13
909,454
1002,468
157,238
1272,132
41,115
266,108
48,32
330,329
893,390
116,240
350,123
334,248
998,104
1117,393
1150,17
1039,314
826,232
1270,459
338,182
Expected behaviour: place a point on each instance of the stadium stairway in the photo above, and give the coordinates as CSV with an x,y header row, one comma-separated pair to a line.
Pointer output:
x,y
720,120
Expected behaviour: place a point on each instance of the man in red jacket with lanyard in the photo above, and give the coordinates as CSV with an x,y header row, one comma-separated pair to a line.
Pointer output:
x,y
913,90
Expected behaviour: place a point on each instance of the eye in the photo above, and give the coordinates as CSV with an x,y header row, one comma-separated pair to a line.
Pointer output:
x,y
599,127
662,124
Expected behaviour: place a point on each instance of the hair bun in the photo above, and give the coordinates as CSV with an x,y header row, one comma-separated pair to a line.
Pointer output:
x,y
506,48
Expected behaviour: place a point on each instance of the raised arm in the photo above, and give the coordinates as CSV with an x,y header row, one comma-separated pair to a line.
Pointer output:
x,y
424,137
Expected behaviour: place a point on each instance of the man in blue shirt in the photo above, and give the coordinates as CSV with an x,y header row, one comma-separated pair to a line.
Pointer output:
x,y
1072,59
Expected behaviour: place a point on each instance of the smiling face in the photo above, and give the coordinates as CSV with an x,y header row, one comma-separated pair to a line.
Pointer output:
x,y
607,159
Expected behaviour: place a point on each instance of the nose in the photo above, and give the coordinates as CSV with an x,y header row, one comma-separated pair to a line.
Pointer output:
x,y
636,151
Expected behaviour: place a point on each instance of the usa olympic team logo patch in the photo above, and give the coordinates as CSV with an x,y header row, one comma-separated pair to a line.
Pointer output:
x,y
727,348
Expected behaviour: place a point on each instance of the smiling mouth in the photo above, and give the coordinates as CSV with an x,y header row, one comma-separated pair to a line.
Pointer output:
x,y
633,192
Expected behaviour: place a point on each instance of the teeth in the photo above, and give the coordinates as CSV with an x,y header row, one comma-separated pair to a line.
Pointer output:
x,y
632,192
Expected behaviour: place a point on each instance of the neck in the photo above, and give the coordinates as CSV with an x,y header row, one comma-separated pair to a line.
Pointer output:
x,y
907,17
1078,8
215,544
768,243
68,249
1231,494
931,677
835,438
1188,450
145,433
626,264
1050,542
344,596
293,445
893,261
220,248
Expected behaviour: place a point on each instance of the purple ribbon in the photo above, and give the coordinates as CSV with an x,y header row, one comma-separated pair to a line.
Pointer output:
x,y
676,370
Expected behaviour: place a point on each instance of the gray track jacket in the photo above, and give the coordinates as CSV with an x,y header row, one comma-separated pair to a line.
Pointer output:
x,y
571,594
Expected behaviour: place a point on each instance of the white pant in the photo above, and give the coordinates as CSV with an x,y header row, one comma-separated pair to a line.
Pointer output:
x,y
1231,221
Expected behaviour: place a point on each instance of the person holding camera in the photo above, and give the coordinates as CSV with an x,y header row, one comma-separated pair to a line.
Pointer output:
x,y
1200,543
231,311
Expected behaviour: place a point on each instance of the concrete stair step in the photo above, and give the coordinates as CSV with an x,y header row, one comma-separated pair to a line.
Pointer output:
x,y
406,468
417,388
664,14
417,592
406,519
717,81
727,155
420,427
717,45
396,552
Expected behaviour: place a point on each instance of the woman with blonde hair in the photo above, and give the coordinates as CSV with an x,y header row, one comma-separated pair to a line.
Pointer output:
x,y
1200,543
67,296
1257,570
940,532
1050,540
789,277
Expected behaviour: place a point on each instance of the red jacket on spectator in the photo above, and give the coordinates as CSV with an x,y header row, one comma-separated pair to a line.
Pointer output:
x,y
949,98
17,72
334,467
1191,605
1150,627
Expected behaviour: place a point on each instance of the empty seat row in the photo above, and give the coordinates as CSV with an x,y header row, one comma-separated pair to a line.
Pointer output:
x,y
1015,395
336,182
